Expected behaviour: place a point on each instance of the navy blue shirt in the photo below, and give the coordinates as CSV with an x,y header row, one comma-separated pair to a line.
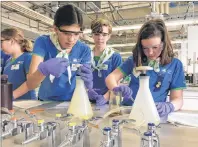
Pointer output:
x,y
4,58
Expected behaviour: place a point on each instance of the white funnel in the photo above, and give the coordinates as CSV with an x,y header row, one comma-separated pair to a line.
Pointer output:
x,y
144,110
80,106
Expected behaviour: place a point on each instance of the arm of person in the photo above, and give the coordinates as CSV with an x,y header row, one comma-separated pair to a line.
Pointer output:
x,y
176,98
106,96
177,85
124,69
113,78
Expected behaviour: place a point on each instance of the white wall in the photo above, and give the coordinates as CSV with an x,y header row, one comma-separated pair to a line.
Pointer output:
x,y
192,47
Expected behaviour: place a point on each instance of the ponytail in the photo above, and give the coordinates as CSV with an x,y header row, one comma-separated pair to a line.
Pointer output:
x,y
27,45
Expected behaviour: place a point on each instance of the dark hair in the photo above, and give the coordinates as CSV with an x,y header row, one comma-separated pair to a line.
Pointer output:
x,y
68,15
153,28
18,36
96,25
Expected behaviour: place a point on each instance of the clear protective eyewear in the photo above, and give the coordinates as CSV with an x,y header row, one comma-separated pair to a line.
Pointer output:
x,y
69,33
101,34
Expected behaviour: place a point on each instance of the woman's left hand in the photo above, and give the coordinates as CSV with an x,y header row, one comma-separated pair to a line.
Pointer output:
x,y
164,108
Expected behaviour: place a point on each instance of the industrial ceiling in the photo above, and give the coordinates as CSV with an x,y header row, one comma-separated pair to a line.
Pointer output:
x,y
36,18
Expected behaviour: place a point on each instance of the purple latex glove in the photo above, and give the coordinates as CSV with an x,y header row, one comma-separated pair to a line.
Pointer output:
x,y
92,94
125,91
86,75
164,108
100,100
54,66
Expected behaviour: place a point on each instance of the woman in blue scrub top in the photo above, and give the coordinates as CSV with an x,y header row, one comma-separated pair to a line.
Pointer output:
x,y
16,67
55,55
104,60
4,58
153,48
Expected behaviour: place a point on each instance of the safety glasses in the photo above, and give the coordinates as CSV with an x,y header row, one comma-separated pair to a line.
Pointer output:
x,y
70,32
101,34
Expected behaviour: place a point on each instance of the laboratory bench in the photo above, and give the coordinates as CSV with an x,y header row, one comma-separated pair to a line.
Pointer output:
x,y
171,135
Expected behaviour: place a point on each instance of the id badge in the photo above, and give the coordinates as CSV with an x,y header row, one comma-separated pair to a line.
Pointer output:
x,y
74,67
15,67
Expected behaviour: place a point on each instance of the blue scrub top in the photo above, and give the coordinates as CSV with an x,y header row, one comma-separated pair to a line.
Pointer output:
x,y
99,82
17,71
4,58
171,76
60,89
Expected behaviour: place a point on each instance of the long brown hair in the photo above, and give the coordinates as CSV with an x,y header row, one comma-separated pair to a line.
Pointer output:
x,y
153,28
18,36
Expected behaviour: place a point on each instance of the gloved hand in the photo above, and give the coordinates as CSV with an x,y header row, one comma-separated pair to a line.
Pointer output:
x,y
86,75
100,100
125,91
164,108
54,66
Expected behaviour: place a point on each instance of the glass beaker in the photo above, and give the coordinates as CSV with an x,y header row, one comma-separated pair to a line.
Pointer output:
x,y
115,101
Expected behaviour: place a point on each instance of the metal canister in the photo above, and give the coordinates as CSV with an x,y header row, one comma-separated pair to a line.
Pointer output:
x,y
6,93
146,140
107,142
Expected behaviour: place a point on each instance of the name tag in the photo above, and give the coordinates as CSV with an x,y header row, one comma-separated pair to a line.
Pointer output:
x,y
74,67
15,67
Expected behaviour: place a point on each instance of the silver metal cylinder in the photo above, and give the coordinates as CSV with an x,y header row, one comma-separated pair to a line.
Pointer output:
x,y
107,140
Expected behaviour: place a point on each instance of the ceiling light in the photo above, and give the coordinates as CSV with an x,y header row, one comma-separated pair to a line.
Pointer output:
x,y
123,53
132,44
138,26
121,45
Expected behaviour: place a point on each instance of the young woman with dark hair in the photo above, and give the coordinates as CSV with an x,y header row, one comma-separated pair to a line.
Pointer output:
x,y
54,55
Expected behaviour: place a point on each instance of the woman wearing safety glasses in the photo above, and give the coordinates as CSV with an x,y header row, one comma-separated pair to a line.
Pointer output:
x,y
104,60
55,54
153,48
16,67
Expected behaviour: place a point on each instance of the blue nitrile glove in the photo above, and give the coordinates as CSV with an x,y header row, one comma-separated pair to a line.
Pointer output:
x,y
125,91
164,108
100,100
54,66
86,75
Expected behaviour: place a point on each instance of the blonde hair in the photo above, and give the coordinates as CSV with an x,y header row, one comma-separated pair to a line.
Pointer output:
x,y
18,36
96,25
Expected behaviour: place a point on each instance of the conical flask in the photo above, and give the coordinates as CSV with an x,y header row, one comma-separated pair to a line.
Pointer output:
x,y
144,110
80,106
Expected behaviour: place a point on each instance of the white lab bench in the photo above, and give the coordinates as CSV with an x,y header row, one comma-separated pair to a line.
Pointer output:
x,y
170,135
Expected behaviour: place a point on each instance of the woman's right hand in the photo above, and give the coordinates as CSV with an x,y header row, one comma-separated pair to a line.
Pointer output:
x,y
54,66
124,90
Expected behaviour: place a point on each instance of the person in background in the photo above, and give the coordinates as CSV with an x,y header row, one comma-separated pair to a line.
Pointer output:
x,y
104,60
153,48
4,58
14,44
54,56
